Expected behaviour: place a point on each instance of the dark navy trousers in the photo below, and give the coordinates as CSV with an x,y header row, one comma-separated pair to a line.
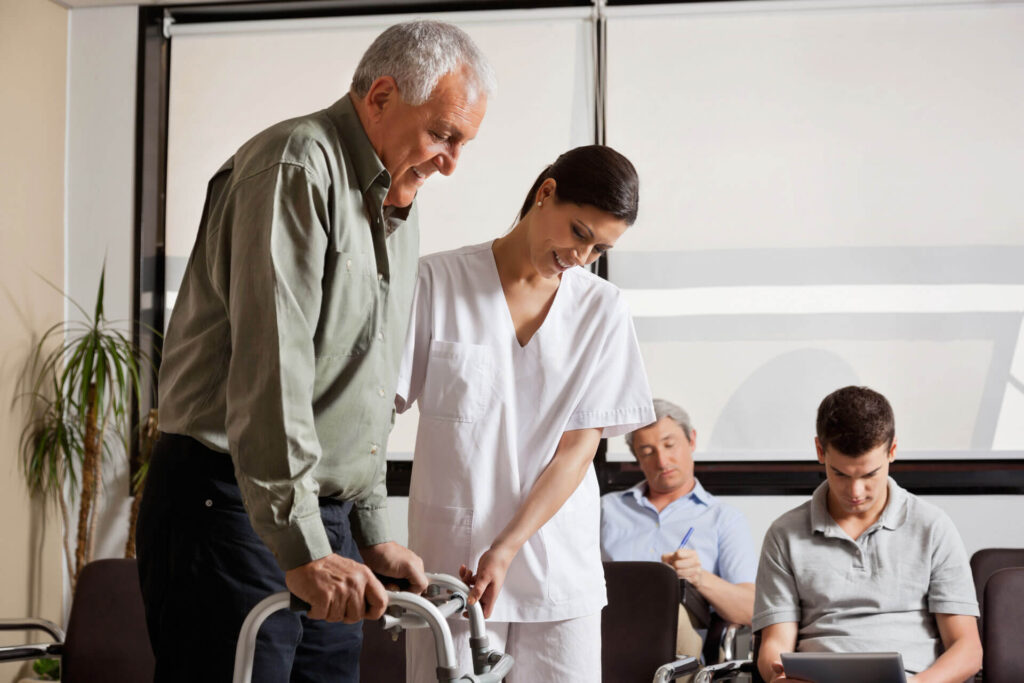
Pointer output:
x,y
202,568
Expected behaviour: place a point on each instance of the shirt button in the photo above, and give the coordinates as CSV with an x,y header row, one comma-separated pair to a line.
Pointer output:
x,y
373,449
208,503
380,336
380,276
348,264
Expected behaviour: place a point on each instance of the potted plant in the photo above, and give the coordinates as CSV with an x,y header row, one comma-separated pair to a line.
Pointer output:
x,y
82,379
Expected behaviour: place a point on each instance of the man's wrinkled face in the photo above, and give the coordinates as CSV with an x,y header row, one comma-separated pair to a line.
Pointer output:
x,y
857,485
414,142
665,455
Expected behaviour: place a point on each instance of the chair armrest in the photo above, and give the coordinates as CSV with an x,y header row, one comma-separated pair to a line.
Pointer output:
x,y
32,624
714,672
676,669
695,603
19,653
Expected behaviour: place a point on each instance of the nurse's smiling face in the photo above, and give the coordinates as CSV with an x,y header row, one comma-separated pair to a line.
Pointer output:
x,y
563,234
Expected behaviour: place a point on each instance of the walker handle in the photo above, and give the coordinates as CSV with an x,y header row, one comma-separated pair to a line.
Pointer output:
x,y
298,605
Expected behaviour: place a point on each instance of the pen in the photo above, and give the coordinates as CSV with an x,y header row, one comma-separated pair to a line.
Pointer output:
x,y
685,538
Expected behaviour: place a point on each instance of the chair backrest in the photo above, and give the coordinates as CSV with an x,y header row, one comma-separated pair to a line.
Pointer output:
x,y
987,561
1004,623
107,638
638,627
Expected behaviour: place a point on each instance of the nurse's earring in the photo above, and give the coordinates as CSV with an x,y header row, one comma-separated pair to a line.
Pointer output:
x,y
540,203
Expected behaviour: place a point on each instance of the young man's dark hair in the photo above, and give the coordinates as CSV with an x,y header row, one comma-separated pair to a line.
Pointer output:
x,y
855,420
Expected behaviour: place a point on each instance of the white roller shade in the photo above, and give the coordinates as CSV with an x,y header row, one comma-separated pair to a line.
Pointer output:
x,y
831,195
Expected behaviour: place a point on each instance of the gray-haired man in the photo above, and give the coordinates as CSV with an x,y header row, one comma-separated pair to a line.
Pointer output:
x,y
279,370
669,517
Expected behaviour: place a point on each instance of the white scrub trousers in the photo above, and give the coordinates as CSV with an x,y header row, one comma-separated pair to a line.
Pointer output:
x,y
567,651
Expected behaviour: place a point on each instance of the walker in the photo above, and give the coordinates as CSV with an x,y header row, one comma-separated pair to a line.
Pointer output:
x,y
445,596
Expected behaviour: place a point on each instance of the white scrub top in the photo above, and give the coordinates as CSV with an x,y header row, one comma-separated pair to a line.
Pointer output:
x,y
491,416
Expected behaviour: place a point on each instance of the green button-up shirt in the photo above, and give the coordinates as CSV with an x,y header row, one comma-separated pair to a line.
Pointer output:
x,y
284,344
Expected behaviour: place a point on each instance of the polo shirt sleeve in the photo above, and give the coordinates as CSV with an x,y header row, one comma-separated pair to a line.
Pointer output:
x,y
776,599
737,561
951,589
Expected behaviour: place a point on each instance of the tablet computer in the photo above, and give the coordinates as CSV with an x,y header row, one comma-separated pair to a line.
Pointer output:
x,y
845,667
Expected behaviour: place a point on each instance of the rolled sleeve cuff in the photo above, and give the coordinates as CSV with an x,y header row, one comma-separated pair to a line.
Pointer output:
x,y
969,609
306,540
370,525
770,617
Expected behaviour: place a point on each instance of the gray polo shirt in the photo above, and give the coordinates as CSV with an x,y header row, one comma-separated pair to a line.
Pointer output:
x,y
876,594
284,344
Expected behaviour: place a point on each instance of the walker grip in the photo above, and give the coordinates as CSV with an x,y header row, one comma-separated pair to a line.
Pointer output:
x,y
299,606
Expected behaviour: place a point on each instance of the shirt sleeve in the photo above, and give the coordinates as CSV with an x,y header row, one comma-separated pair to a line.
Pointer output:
x,y
737,562
951,588
776,599
617,397
413,369
271,248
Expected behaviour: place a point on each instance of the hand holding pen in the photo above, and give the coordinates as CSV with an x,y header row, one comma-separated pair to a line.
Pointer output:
x,y
685,561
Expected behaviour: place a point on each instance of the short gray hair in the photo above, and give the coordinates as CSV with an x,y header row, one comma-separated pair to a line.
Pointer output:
x,y
663,408
417,54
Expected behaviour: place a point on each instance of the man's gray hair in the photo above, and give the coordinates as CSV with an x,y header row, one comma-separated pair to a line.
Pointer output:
x,y
663,408
417,54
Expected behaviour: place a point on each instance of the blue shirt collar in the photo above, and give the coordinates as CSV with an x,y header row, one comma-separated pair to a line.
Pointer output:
x,y
699,494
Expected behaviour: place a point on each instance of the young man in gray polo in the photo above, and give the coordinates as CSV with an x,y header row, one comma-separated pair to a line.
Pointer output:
x,y
865,566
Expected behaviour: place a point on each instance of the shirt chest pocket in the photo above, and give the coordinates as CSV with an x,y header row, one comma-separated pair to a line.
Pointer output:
x,y
349,319
458,383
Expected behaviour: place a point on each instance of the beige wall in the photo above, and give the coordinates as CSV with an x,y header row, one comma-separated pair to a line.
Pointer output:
x,y
33,75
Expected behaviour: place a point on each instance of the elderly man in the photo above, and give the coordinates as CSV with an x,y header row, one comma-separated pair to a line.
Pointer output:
x,y
865,566
670,517
279,370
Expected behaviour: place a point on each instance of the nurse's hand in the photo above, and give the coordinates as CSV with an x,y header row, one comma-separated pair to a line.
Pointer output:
x,y
338,589
391,559
687,565
489,578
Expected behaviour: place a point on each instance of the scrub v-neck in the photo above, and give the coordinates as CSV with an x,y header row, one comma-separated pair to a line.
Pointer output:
x,y
508,309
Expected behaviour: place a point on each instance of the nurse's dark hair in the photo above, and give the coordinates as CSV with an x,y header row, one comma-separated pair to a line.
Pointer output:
x,y
595,175
855,420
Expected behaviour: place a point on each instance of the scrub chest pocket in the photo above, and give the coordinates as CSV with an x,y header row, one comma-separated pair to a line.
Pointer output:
x,y
458,381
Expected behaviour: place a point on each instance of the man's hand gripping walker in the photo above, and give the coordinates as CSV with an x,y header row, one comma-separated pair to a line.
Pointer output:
x,y
445,596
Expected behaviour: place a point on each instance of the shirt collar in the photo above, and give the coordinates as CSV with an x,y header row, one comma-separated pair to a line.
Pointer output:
x,y
369,168
893,516
699,493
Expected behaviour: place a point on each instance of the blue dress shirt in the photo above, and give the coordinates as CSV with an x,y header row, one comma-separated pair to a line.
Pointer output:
x,y
631,529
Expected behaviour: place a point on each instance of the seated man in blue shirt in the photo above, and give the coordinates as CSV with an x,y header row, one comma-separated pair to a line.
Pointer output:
x,y
865,566
649,522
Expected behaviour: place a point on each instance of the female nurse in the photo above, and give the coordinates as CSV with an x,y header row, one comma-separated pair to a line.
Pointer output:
x,y
521,360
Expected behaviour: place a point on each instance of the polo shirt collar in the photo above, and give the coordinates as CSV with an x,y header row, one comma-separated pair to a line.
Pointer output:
x,y
369,168
893,516
895,512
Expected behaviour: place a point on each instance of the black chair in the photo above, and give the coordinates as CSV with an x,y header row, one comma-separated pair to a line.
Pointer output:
x,y
984,563
106,638
639,624
1003,661
383,658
